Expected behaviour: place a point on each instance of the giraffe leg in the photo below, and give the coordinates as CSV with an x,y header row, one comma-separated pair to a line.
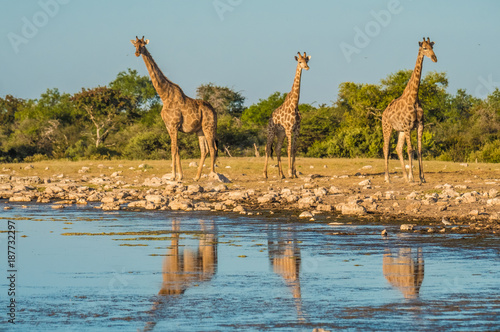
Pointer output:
x,y
203,153
387,130
420,130
294,153
410,155
176,163
280,138
209,131
399,150
269,146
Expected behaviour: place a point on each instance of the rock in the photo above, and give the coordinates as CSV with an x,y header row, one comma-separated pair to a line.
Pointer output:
x,y
193,164
110,206
5,186
84,170
406,227
306,214
220,188
156,199
20,198
365,183
445,221
493,201
5,178
384,232
492,193
474,212
108,200
267,198
334,190
51,190
351,208
390,195
219,177
27,180
116,174
28,167
291,198
137,204
320,192
95,197
194,189
307,202
153,182
181,204
240,209
415,207
324,207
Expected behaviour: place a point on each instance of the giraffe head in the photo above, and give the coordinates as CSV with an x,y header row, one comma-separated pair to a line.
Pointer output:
x,y
303,60
139,45
426,47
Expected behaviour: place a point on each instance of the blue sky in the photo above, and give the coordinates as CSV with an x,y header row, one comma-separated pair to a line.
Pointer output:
x,y
247,45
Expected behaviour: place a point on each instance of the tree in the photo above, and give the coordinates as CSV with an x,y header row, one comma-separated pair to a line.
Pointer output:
x,y
259,114
223,99
138,89
105,107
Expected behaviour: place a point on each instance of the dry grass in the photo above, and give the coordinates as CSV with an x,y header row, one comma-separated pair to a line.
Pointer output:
x,y
247,171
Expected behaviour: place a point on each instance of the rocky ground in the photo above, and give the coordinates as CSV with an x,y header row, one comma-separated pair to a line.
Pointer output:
x,y
457,198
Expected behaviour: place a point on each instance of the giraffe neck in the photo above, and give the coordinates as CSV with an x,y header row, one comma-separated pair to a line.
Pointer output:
x,y
411,90
294,95
161,83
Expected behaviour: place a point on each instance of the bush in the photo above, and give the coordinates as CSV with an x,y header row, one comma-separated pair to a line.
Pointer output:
x,y
148,145
489,153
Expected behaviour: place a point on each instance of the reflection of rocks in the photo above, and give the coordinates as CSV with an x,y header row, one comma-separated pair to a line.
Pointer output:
x,y
404,270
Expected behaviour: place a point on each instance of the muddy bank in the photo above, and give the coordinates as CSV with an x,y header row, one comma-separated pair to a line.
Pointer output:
x,y
447,203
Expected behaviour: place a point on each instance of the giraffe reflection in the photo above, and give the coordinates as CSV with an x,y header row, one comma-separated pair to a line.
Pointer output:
x,y
284,255
404,270
184,267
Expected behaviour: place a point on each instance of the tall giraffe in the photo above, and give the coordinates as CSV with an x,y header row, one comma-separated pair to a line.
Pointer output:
x,y
181,113
404,114
285,121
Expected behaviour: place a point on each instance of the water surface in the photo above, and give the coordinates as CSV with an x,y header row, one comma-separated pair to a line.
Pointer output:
x,y
85,269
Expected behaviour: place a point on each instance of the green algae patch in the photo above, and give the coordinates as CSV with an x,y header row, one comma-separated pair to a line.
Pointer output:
x,y
139,233
133,245
147,238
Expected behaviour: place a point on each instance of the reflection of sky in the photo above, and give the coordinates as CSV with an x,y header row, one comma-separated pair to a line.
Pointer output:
x,y
338,274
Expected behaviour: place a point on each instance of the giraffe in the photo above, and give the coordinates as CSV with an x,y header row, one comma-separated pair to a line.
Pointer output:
x,y
404,114
181,113
285,121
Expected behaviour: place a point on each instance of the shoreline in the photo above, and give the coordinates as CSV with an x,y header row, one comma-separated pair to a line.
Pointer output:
x,y
457,198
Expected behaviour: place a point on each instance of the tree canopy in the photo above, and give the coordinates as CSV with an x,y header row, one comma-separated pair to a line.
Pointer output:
x,y
122,120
